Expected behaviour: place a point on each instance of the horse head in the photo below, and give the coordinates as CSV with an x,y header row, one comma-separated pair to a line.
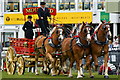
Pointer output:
x,y
85,29
105,28
58,33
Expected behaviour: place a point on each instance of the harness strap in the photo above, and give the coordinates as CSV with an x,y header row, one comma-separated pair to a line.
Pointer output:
x,y
99,42
52,44
78,42
43,47
102,50
71,49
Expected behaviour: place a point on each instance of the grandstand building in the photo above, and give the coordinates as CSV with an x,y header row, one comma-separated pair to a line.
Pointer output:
x,y
68,12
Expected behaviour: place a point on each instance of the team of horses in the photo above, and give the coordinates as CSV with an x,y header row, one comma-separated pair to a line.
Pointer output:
x,y
82,45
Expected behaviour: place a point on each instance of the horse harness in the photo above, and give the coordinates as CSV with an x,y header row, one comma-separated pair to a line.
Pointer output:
x,y
43,47
50,42
101,43
78,43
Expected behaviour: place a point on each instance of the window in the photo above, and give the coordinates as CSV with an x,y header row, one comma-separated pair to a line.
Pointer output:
x,y
80,5
85,4
51,3
11,5
88,4
30,3
67,5
101,5
5,38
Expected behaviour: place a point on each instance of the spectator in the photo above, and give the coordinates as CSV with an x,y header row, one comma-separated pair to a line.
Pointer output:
x,y
0,53
28,28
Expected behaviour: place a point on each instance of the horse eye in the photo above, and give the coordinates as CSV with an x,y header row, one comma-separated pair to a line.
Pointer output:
x,y
104,28
85,30
57,32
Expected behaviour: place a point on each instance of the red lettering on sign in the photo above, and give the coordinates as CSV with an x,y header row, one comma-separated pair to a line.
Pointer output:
x,y
34,10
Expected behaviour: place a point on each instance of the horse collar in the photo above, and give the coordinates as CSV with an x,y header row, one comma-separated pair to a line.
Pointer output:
x,y
99,42
50,42
78,42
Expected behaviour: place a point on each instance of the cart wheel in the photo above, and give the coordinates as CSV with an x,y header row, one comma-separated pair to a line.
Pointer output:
x,y
20,65
10,63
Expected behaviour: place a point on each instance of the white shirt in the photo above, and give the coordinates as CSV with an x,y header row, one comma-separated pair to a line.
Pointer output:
x,y
43,8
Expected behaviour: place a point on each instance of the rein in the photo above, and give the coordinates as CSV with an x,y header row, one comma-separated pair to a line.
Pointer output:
x,y
95,36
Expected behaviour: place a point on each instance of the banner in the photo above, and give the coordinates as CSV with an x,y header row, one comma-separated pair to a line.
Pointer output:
x,y
34,10
73,17
60,18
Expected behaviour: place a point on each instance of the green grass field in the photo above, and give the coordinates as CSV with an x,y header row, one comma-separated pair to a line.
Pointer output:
x,y
44,76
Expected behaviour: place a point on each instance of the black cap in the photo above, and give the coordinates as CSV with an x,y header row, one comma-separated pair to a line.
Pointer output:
x,y
42,3
29,17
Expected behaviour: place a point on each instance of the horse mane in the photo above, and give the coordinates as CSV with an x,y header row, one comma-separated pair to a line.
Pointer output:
x,y
80,28
97,28
73,29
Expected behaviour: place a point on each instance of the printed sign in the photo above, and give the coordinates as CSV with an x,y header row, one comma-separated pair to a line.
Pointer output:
x,y
34,10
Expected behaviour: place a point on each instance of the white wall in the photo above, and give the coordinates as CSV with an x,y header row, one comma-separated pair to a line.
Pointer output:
x,y
21,32
114,18
1,13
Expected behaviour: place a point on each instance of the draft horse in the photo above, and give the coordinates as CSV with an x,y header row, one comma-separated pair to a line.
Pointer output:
x,y
48,47
76,48
99,45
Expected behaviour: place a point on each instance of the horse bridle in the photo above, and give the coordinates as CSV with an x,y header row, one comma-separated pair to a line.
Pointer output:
x,y
103,29
106,42
87,26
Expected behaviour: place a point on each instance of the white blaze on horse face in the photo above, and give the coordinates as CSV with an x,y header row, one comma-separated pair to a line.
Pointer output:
x,y
52,31
109,33
88,34
61,35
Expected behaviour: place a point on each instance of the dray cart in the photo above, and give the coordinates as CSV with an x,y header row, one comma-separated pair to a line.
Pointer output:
x,y
20,55
21,52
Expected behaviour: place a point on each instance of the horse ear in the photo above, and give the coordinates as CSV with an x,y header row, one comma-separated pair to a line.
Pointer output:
x,y
102,21
81,27
84,23
90,23
108,21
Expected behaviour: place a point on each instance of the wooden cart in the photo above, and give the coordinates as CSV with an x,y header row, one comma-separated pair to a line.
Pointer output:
x,y
21,54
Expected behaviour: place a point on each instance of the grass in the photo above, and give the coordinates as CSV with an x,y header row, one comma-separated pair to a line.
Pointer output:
x,y
41,75
0,75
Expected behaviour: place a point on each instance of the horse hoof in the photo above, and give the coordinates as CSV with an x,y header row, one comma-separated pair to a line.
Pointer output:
x,y
54,75
71,76
36,74
91,76
79,76
83,75
45,72
106,77
65,74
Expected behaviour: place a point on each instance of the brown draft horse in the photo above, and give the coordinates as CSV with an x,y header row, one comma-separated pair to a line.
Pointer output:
x,y
76,48
42,43
99,45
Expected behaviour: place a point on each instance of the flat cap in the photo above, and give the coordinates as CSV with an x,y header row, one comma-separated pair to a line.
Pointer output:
x,y
29,17
42,3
